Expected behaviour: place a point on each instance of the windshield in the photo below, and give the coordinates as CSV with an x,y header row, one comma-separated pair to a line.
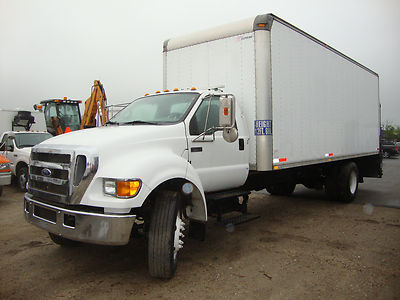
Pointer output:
x,y
158,109
67,114
30,139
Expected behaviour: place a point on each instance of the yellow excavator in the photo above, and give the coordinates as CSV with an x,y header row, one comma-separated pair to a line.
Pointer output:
x,y
63,115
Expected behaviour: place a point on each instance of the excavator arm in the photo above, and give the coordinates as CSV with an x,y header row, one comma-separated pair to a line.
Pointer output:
x,y
95,104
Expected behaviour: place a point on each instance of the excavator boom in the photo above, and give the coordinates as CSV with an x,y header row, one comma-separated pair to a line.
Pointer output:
x,y
95,104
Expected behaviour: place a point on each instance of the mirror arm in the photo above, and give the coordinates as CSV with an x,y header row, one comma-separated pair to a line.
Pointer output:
x,y
208,113
203,134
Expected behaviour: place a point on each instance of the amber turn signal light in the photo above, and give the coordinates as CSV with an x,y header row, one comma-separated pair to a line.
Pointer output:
x,y
128,189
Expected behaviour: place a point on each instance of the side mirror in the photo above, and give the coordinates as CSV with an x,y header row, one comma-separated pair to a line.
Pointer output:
x,y
227,118
10,148
226,111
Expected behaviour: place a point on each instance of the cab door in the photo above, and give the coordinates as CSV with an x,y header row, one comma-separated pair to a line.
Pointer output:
x,y
220,165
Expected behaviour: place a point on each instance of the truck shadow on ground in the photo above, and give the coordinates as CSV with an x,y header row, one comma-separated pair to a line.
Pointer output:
x,y
223,244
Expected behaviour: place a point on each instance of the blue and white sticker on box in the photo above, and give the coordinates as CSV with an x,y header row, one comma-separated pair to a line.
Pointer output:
x,y
263,127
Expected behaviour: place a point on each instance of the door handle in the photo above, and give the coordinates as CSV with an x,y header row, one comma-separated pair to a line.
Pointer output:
x,y
196,149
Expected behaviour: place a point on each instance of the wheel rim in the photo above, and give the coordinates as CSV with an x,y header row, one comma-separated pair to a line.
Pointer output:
x,y
353,182
178,242
22,181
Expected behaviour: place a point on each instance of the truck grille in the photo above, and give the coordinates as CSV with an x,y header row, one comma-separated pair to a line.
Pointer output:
x,y
59,175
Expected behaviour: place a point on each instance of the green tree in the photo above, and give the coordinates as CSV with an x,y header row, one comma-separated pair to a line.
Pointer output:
x,y
391,132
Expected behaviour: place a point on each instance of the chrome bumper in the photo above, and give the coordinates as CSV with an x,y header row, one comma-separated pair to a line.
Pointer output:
x,y
5,179
79,226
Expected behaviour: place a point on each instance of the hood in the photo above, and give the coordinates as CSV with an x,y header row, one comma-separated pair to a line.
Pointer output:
x,y
26,150
112,136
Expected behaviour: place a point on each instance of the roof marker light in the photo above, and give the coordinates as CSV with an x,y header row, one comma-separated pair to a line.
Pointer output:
x,y
158,92
176,89
146,94
193,89
166,90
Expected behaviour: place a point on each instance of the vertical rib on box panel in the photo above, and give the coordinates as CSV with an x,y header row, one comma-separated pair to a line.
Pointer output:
x,y
263,123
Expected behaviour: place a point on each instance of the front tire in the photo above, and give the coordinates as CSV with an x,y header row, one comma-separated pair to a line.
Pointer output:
x,y
22,177
165,235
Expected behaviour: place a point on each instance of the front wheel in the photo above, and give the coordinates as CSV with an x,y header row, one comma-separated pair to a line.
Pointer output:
x,y
165,235
22,176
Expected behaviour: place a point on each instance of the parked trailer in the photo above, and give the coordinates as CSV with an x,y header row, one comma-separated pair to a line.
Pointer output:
x,y
293,111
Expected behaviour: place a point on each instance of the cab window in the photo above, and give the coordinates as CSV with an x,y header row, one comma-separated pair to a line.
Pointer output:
x,y
198,122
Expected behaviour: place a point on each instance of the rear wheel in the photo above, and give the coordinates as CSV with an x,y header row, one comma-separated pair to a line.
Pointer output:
x,y
281,189
342,185
62,241
165,235
22,177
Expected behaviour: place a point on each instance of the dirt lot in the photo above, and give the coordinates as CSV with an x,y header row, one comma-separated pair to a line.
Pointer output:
x,y
302,247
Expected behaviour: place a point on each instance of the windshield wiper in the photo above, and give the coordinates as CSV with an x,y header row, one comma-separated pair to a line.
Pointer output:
x,y
139,122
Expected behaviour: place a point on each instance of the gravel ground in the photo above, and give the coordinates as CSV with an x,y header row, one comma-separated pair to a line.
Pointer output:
x,y
301,247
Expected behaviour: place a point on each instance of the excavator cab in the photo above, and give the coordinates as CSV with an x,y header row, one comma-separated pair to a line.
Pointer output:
x,y
60,115
64,115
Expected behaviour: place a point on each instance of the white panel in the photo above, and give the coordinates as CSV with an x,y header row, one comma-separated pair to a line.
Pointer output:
x,y
322,103
229,62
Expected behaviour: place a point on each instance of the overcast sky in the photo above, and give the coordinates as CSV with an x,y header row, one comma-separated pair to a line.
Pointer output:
x,y
51,49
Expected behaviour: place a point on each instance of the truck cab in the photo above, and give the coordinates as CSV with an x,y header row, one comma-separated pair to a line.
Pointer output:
x,y
95,185
16,147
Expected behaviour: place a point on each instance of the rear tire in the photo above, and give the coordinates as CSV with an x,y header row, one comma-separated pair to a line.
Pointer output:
x,y
62,241
22,177
281,189
164,236
342,185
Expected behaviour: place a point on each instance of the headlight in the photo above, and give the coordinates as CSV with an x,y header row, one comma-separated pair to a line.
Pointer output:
x,y
5,167
121,188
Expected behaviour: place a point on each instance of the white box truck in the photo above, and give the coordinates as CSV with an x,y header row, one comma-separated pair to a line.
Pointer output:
x,y
292,111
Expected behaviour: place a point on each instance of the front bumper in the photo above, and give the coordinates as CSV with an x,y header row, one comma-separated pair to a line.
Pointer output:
x,y
5,178
79,226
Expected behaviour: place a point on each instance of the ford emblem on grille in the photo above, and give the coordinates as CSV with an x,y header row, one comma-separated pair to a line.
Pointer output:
x,y
46,172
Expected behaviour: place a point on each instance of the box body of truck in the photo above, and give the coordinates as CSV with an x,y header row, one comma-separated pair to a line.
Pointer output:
x,y
304,102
